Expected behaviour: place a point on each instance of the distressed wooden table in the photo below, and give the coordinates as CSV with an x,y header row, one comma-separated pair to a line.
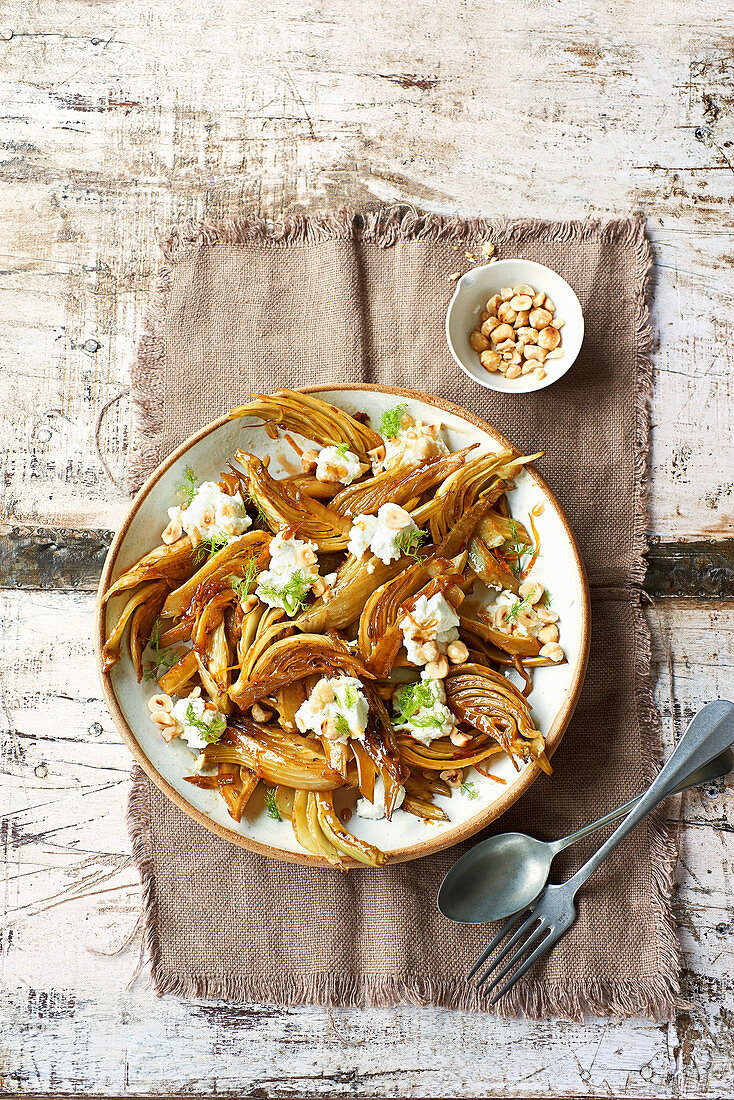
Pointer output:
x,y
121,117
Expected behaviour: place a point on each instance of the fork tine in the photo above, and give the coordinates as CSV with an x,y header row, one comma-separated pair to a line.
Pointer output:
x,y
543,946
535,935
496,941
519,934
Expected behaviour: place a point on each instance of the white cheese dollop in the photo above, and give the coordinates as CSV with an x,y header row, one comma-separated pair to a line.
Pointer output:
x,y
333,465
412,445
336,709
379,533
375,811
432,719
431,620
211,512
194,737
507,598
288,557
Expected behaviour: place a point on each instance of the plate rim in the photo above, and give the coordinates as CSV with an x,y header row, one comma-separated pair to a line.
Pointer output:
x,y
441,841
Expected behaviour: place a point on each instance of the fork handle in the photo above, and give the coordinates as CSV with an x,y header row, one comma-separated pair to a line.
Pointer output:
x,y
709,733
720,765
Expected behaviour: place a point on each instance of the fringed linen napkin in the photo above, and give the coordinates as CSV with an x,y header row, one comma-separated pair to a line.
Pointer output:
x,y
244,307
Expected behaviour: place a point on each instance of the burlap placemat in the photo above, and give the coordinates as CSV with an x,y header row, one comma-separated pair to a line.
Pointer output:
x,y
245,307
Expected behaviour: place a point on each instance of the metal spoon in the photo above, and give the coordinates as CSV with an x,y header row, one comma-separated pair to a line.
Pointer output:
x,y
505,873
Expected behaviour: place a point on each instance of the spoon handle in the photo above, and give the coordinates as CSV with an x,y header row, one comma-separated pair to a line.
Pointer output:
x,y
720,765
709,734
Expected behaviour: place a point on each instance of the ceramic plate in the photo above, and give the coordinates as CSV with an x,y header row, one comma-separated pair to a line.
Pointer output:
x,y
555,691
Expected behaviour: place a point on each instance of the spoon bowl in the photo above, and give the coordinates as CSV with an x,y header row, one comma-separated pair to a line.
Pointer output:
x,y
497,876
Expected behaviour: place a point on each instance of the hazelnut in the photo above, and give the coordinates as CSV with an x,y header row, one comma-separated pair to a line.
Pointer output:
x,y
457,652
309,461
172,533
489,360
549,338
532,351
502,332
436,670
532,590
540,318
526,335
395,517
521,302
553,652
488,325
260,714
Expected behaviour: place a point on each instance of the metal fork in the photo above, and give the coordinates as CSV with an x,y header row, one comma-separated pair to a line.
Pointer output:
x,y
553,912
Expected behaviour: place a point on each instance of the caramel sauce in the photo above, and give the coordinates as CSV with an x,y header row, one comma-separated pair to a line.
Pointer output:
x,y
526,571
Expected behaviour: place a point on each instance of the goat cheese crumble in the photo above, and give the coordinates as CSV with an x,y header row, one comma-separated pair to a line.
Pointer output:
x,y
293,570
337,465
375,810
421,710
211,512
192,734
431,620
505,609
381,534
336,709
414,443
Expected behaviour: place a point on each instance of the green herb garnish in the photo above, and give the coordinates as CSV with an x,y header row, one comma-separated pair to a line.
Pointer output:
x,y
271,804
211,732
342,448
517,607
350,696
164,659
190,485
241,585
342,726
519,549
391,422
425,723
546,601
292,594
469,789
261,517
415,697
217,541
409,540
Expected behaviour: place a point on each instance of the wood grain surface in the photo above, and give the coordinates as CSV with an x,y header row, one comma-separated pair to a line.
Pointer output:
x,y
118,118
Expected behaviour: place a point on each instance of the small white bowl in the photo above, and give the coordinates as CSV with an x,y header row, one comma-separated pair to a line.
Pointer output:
x,y
472,291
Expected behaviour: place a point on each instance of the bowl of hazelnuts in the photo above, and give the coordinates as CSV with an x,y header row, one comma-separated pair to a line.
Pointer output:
x,y
514,325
